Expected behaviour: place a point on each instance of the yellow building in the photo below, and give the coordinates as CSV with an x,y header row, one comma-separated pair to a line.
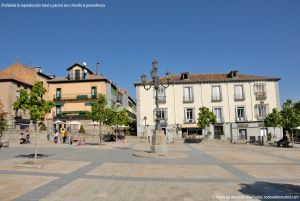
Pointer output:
x,y
75,94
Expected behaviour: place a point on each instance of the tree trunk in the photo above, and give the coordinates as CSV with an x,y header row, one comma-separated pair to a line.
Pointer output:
x,y
100,134
35,146
117,134
292,138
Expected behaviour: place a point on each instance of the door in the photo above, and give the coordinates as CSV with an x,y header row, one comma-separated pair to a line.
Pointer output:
x,y
218,131
242,134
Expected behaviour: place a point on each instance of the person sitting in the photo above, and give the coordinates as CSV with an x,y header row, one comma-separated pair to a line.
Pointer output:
x,y
22,139
28,138
284,141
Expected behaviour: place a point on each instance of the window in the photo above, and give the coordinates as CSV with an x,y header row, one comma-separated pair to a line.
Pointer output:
x,y
94,92
188,94
261,111
184,76
218,113
77,74
161,93
18,94
242,134
58,93
162,113
189,115
58,110
260,91
216,93
259,88
239,92
240,113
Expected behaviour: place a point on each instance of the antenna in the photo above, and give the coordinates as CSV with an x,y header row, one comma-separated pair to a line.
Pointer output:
x,y
97,69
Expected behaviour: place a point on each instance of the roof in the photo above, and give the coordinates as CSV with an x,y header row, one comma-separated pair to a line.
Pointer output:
x,y
82,66
210,78
92,77
20,73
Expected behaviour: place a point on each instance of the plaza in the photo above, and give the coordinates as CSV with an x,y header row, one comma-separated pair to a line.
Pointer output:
x,y
125,171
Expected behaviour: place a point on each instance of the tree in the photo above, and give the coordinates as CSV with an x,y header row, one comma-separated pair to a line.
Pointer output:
x,y
205,118
3,121
273,119
35,104
118,117
290,117
297,106
100,113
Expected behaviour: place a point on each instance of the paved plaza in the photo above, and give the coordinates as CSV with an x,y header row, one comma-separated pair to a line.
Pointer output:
x,y
125,171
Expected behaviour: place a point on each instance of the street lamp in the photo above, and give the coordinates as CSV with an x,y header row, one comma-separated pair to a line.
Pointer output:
x,y
158,137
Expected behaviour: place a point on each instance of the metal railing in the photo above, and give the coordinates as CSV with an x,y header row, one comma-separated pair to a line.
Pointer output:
x,y
216,98
78,96
261,95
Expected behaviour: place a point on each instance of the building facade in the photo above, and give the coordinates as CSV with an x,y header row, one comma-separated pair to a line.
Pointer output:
x,y
12,80
239,102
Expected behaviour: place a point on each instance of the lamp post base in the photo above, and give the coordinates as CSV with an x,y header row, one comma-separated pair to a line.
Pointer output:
x,y
159,144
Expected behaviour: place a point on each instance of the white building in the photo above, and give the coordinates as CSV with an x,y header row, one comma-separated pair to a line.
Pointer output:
x,y
240,103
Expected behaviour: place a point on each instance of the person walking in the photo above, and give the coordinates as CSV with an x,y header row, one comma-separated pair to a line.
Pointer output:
x,y
62,134
56,137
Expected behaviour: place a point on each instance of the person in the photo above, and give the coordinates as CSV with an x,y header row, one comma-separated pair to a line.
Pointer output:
x,y
284,141
56,137
62,134
22,139
28,138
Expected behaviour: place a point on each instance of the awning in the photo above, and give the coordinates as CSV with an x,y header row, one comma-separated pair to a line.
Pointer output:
x,y
89,103
59,103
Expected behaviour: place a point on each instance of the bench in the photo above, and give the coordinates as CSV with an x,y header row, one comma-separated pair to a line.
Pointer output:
x,y
4,143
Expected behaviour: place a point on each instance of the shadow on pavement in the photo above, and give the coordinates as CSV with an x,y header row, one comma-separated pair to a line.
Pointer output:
x,y
32,155
271,191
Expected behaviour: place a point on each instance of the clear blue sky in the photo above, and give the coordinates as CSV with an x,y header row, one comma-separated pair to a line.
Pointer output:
x,y
260,37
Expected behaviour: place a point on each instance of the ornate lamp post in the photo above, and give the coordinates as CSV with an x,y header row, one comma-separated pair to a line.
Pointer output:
x,y
158,137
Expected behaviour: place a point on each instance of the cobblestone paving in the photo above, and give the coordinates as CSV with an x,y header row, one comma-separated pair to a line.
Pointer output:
x,y
111,172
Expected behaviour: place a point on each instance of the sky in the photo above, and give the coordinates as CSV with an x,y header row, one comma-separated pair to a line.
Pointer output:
x,y
259,37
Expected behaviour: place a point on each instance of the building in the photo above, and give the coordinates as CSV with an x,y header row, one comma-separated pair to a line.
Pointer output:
x,y
12,80
240,103
75,94
126,102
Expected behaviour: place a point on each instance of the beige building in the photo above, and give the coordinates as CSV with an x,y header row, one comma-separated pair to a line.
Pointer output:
x,y
240,103
12,80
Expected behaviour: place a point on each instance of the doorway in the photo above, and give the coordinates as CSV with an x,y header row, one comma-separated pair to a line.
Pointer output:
x,y
218,131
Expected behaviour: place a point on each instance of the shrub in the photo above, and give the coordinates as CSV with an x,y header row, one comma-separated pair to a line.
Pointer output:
x,y
43,127
81,130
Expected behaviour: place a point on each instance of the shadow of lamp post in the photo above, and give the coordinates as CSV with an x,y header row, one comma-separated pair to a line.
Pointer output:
x,y
158,137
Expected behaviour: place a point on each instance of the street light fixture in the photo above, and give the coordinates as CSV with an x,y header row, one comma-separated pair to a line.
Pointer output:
x,y
156,83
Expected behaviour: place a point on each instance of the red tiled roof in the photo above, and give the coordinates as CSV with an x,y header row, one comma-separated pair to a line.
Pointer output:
x,y
216,78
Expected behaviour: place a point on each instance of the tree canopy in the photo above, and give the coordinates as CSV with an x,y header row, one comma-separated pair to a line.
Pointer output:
x,y
34,102
273,119
290,116
205,118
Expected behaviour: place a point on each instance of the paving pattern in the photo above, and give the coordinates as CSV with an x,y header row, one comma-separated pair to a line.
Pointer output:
x,y
112,172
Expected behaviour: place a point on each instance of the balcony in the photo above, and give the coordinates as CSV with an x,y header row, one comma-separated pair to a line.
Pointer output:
x,y
220,120
261,95
72,97
79,76
260,117
216,98
161,99
188,99
241,119
189,121
72,115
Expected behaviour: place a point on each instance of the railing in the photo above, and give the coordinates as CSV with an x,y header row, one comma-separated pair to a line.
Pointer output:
x,y
188,99
261,95
260,117
241,119
216,98
80,76
72,115
189,121
74,97
161,98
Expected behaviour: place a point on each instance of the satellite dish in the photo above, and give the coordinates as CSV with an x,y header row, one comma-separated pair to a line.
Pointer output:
x,y
84,63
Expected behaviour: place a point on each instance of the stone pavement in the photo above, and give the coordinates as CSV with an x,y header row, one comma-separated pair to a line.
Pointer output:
x,y
112,172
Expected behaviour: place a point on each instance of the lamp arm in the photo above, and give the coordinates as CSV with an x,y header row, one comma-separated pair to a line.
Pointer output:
x,y
165,86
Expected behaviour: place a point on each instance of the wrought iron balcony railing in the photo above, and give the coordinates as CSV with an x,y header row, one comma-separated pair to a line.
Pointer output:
x,y
73,97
